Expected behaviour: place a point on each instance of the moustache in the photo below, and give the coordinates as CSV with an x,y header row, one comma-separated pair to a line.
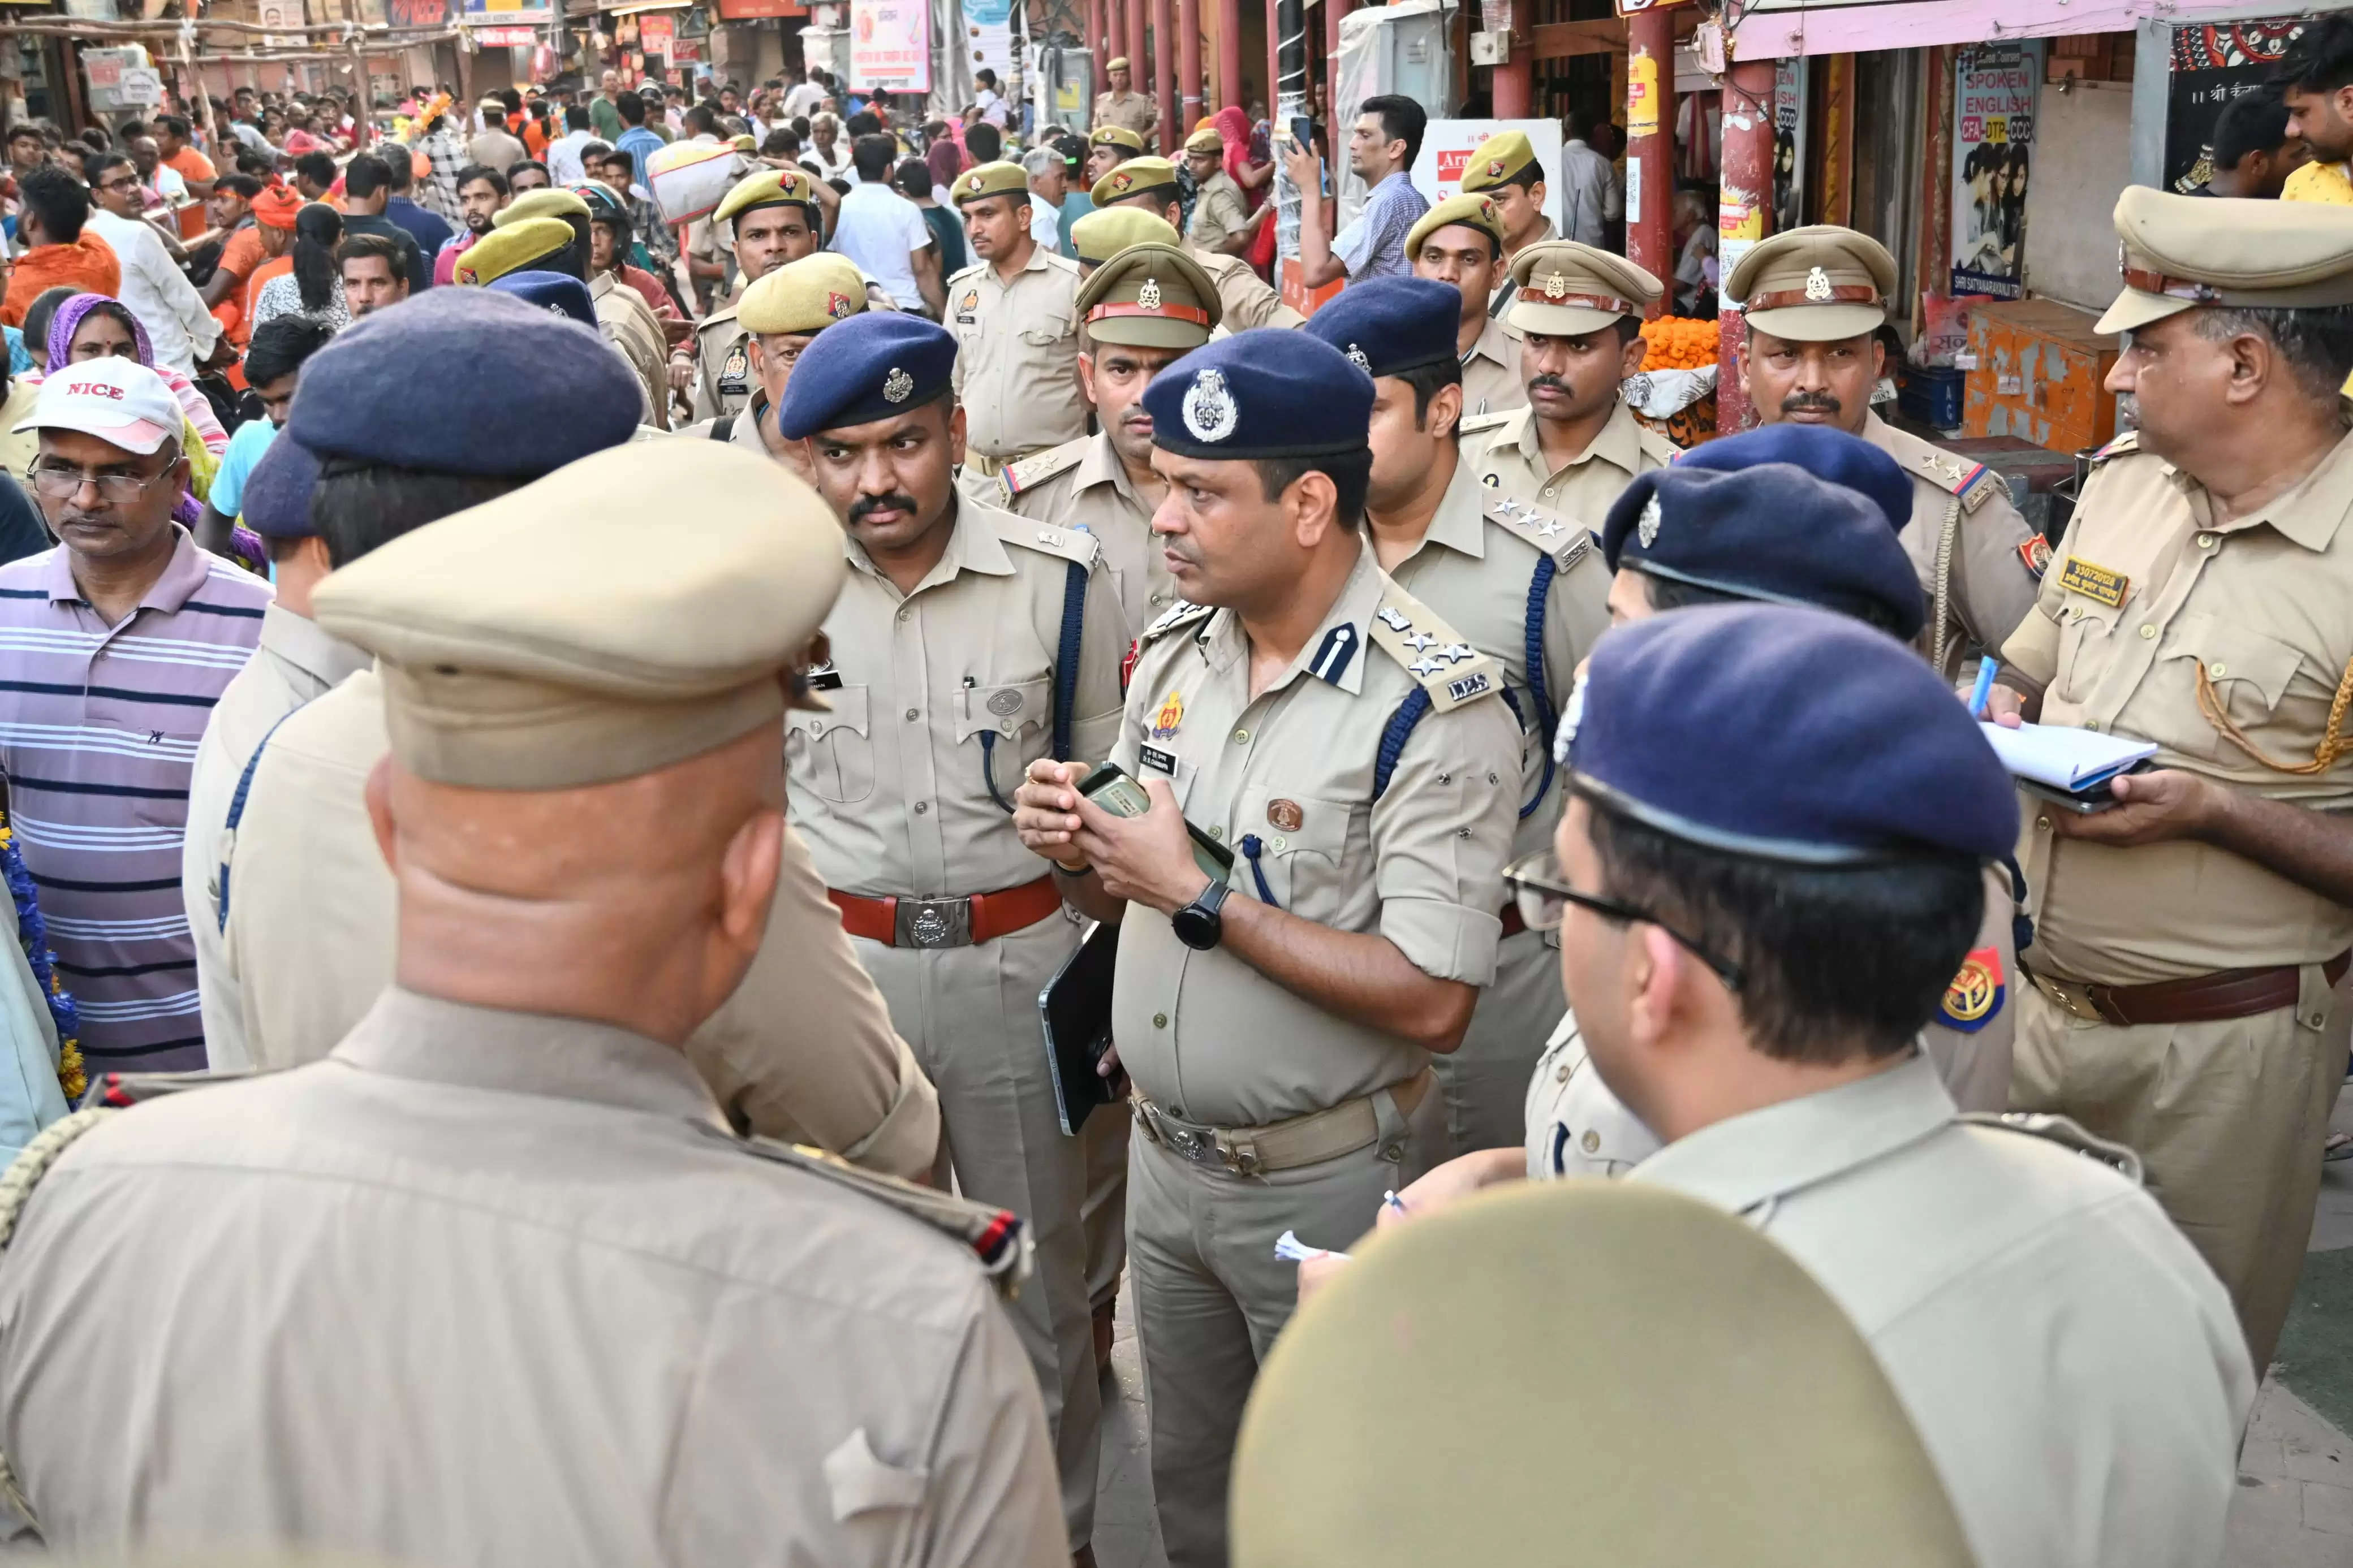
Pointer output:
x,y
1552,382
865,506
1809,403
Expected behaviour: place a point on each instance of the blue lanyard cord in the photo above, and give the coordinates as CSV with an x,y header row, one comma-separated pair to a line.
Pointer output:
x,y
1252,848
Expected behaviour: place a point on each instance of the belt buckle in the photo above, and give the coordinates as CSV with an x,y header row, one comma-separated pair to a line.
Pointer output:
x,y
933,922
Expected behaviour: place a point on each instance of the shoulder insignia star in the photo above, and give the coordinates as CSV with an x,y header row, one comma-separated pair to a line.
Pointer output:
x,y
1424,666
1420,642
1550,529
1457,652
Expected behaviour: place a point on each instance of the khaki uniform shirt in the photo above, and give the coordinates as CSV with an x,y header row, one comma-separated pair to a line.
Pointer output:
x,y
630,325
939,691
1474,566
1082,484
1510,462
1134,111
723,359
1290,774
2151,583
803,1051
1492,379
1500,299
2025,1302
748,428
1220,211
1016,365
491,1287
296,660
1989,583
1245,300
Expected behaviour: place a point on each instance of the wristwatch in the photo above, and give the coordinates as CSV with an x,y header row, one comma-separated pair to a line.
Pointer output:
x,y
1198,925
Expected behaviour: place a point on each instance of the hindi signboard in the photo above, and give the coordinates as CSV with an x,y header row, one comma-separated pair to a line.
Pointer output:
x,y
890,46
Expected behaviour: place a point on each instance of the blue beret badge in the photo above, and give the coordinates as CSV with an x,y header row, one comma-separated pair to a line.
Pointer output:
x,y
898,384
1647,529
1975,996
1209,412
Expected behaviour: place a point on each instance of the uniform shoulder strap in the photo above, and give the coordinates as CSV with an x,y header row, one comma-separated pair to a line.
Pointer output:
x,y
1551,534
121,1090
1036,469
1180,613
1075,545
1562,544
1655,446
1440,661
964,272
1056,258
1474,424
2063,1131
2123,446
1971,483
997,1238
1079,550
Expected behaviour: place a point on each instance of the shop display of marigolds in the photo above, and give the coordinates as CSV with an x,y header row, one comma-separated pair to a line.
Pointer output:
x,y
1674,391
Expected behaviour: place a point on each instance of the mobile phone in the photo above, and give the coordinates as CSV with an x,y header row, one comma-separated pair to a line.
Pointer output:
x,y
2098,798
1303,131
1111,788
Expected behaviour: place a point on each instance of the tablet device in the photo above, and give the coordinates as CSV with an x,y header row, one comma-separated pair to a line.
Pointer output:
x,y
1076,1007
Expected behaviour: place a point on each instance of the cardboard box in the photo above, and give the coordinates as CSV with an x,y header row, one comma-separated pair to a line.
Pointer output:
x,y
2037,375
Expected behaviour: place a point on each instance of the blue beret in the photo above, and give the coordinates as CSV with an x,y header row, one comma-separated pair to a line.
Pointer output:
x,y
1267,393
872,366
1773,532
1851,748
1387,326
1825,453
404,387
555,291
277,499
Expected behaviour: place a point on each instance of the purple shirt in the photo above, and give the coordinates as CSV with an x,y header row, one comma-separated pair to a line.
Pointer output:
x,y
99,729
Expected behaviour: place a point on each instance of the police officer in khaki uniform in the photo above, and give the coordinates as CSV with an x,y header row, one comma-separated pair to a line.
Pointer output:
x,y
1015,316
2188,942
552,244
1813,299
1144,309
1505,169
1109,146
1459,242
1221,216
622,314
1131,110
1576,443
567,1314
1363,1451
775,218
966,644
1351,757
779,315
1100,235
2023,1294
804,1050
1151,184
1522,585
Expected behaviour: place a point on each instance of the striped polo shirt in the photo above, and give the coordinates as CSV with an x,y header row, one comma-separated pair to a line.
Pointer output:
x,y
99,729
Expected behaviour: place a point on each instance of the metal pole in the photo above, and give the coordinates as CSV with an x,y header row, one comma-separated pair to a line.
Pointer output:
x,y
1744,214
1514,85
1188,61
1290,104
1098,42
1116,16
1164,80
1229,52
1335,13
1651,141
1139,72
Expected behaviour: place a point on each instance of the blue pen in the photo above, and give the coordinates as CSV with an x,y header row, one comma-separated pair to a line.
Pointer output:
x,y
1987,670
1393,1201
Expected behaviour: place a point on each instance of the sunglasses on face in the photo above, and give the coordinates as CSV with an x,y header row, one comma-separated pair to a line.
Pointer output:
x,y
1540,889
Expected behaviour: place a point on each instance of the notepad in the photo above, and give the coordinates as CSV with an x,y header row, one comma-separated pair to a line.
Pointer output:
x,y
2064,759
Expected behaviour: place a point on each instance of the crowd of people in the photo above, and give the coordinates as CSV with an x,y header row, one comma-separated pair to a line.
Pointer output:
x,y
655,853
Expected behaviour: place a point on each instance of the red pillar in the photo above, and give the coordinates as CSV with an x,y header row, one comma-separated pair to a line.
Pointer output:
x,y
1115,29
1138,55
1229,52
1744,214
1651,141
1343,115
1515,81
1273,64
1099,36
1188,61
1163,78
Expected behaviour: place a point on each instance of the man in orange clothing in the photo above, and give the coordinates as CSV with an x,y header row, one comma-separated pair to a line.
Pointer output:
x,y
56,206
273,225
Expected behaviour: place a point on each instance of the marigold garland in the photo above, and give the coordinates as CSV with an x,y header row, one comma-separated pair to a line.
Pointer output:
x,y
33,935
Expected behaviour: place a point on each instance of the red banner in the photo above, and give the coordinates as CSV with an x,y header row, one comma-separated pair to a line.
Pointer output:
x,y
749,10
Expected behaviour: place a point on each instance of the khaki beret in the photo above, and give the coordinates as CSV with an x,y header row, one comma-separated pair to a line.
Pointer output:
x,y
1117,63
742,142
1136,177
1651,1381
1151,296
1566,289
533,643
1205,140
1116,136
986,180
2260,254
768,188
803,296
1498,160
1820,284
1105,232
512,247
1470,210
549,201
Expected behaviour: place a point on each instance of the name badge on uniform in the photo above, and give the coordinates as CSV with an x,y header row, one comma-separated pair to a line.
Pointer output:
x,y
734,369
2080,576
1156,760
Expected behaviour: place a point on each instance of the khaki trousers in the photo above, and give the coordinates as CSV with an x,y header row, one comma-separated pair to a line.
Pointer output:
x,y
1103,1212
1210,1297
970,1015
1484,1083
2229,1118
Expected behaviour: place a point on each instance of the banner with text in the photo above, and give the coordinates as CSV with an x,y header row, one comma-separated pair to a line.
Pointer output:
x,y
1993,133
890,46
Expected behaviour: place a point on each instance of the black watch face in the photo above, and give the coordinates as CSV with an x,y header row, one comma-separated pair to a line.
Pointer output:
x,y
1196,927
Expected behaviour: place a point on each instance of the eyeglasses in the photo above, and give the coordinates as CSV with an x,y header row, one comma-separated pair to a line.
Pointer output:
x,y
61,482
1541,891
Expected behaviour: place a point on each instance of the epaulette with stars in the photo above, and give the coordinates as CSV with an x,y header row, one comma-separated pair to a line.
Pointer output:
x,y
1554,535
1440,658
1182,612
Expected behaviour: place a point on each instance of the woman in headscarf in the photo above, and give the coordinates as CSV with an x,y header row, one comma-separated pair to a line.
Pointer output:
x,y
947,157
1233,129
92,326
314,285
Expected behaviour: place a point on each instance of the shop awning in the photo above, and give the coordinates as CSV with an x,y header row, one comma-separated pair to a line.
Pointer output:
x,y
1780,30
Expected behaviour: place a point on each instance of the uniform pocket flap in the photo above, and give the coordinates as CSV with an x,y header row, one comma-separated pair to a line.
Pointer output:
x,y
1291,824
862,1483
1049,329
2233,655
1008,707
849,712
